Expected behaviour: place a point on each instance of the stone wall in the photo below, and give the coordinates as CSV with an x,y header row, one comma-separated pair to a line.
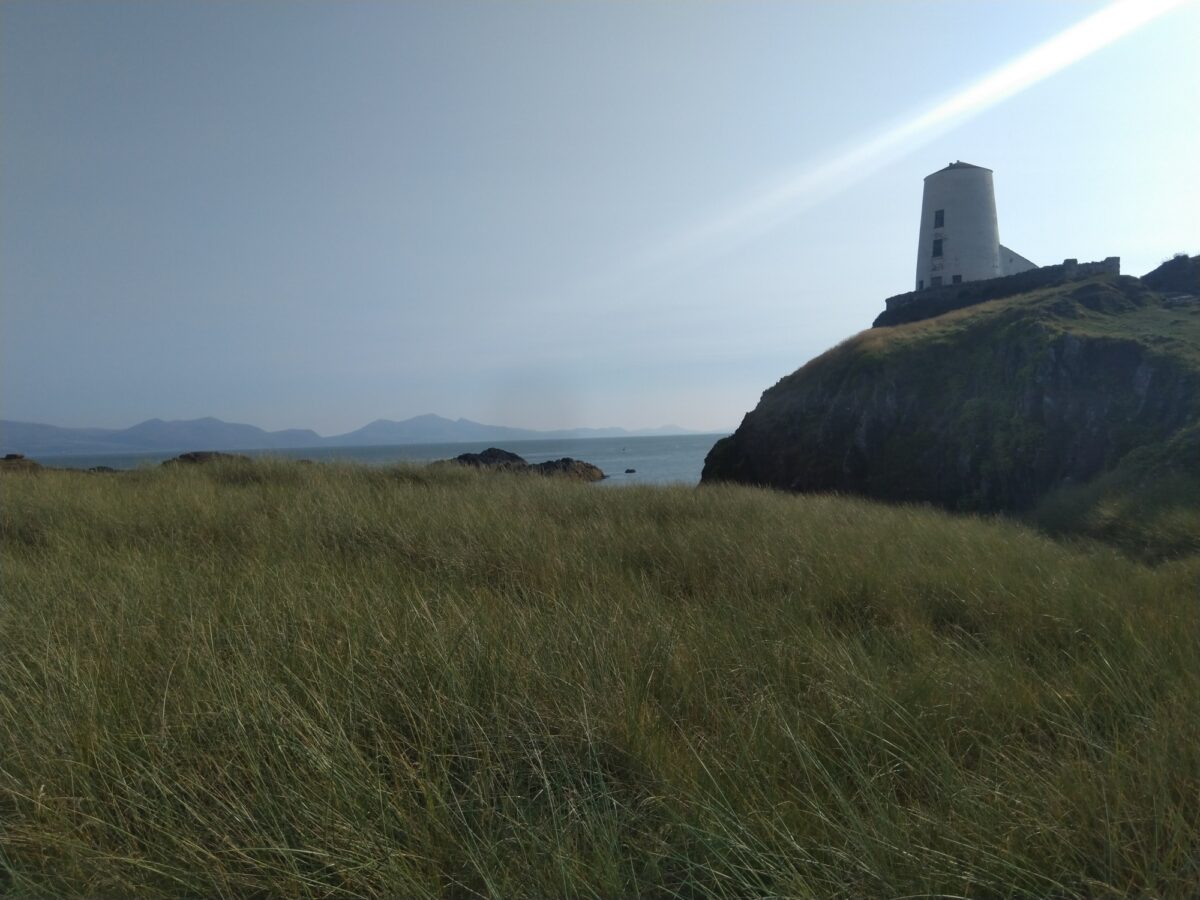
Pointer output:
x,y
917,305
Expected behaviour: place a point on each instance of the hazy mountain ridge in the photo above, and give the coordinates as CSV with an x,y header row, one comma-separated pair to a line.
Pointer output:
x,y
209,433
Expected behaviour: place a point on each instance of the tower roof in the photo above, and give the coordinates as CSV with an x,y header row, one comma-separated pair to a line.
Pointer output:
x,y
958,164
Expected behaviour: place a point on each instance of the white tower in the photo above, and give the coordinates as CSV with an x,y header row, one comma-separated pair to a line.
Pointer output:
x,y
960,240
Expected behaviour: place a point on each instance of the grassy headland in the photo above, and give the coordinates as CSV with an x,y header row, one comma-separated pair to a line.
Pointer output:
x,y
292,680
1076,405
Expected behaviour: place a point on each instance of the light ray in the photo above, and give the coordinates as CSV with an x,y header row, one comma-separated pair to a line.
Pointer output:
x,y
810,184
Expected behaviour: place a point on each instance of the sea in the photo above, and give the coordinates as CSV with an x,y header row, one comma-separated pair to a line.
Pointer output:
x,y
676,459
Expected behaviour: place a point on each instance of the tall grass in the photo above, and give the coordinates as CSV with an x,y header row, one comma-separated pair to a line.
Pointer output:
x,y
327,681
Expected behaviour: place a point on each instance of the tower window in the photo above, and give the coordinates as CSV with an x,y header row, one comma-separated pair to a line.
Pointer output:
x,y
939,218
935,281
937,247
957,279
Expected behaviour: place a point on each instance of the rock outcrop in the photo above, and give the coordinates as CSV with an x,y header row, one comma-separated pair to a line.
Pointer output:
x,y
987,408
199,457
492,458
496,459
1179,274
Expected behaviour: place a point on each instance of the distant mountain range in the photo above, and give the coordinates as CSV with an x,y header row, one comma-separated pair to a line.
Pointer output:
x,y
33,439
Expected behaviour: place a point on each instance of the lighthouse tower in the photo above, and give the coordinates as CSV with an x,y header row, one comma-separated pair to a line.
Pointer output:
x,y
960,240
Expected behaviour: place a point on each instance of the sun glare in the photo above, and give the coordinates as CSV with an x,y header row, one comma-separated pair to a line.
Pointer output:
x,y
812,183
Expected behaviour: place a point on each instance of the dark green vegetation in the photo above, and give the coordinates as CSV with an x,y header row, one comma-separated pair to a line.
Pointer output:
x,y
271,679
1077,406
1179,274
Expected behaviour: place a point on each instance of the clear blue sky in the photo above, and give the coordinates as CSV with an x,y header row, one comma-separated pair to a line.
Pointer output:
x,y
539,214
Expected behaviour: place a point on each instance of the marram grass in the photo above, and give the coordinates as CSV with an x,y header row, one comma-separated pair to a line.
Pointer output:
x,y
330,681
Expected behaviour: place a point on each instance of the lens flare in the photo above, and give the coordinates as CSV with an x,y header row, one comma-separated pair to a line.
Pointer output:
x,y
810,184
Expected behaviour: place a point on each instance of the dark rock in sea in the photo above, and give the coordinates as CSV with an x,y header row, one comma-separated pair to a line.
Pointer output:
x,y
198,457
102,469
569,468
492,458
631,471
496,459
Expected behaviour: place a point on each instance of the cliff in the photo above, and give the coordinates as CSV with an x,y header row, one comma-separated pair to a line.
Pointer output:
x,y
990,408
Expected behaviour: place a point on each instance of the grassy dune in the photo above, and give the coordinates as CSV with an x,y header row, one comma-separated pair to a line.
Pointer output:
x,y
323,681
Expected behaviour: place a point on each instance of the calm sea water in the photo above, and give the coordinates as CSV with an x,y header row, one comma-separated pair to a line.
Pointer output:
x,y
657,460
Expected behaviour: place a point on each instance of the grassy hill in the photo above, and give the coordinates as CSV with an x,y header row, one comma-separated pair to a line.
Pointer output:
x,y
1062,404
273,679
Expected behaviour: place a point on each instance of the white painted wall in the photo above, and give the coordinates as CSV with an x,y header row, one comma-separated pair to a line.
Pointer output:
x,y
970,236
1012,262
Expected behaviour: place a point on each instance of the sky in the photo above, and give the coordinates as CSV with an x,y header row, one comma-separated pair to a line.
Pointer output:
x,y
540,214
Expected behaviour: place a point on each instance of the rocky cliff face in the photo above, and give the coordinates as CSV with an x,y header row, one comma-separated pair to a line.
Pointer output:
x,y
987,408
